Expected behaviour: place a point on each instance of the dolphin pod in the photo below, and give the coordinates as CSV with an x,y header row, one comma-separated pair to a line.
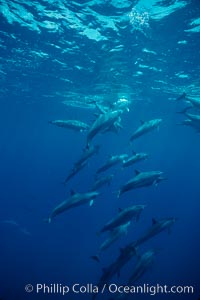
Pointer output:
x,y
127,253
109,119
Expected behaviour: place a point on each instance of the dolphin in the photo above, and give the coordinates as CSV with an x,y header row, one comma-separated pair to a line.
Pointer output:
x,y
130,250
124,257
113,236
102,181
194,102
121,103
145,127
74,200
71,124
82,162
193,117
112,161
193,121
144,263
136,157
156,227
103,123
192,124
87,153
75,170
125,215
141,179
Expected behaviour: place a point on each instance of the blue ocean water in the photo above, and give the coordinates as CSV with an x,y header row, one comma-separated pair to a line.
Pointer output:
x,y
57,59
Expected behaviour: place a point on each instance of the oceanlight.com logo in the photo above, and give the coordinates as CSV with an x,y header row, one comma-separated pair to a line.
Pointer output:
x,y
89,288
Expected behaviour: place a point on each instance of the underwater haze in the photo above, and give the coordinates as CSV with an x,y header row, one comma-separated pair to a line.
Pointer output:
x,y
94,75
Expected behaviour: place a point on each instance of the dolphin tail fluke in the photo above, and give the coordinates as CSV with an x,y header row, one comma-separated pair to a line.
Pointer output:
x,y
96,257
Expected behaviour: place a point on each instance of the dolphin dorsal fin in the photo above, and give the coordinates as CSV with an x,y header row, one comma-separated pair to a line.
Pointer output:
x,y
154,221
142,122
133,152
72,192
137,172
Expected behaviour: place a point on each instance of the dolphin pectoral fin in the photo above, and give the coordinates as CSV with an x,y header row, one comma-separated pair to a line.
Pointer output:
x,y
48,220
91,202
155,183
